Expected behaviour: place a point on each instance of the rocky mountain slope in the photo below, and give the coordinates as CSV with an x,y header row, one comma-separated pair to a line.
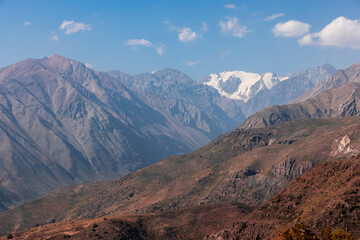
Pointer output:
x,y
289,89
195,110
337,102
259,91
351,74
188,223
63,124
327,195
246,166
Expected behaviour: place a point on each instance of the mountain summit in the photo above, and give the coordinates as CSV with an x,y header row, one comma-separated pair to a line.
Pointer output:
x,y
241,85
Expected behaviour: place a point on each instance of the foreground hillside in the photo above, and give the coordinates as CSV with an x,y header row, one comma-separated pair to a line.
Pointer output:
x,y
246,166
328,195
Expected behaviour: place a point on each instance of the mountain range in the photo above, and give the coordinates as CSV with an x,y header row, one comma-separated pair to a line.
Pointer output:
x,y
185,103
343,100
63,124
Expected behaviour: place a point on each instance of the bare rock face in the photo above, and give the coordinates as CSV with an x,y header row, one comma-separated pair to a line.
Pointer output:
x,y
290,169
342,146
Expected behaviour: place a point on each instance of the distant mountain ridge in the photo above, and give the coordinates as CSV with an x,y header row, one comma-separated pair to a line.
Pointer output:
x,y
185,101
351,74
259,91
341,101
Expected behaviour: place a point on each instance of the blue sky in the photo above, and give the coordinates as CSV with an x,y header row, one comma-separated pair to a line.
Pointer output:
x,y
197,37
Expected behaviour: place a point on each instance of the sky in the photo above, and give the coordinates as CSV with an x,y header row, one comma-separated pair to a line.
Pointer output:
x,y
197,37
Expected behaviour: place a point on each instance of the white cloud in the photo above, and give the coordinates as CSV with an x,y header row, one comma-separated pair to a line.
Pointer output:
x,y
54,36
73,27
89,65
230,6
187,35
134,43
274,16
291,28
138,42
27,24
193,63
231,26
341,33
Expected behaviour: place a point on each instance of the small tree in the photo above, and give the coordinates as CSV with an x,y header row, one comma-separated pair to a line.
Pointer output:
x,y
300,232
297,232
340,234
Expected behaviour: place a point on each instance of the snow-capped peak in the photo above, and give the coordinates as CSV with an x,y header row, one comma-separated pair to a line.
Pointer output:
x,y
241,85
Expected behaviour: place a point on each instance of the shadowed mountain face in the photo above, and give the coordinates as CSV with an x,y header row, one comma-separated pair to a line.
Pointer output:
x,y
246,166
337,102
185,103
63,124
341,77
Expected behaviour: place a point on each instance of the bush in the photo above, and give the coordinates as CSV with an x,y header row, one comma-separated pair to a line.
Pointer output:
x,y
301,232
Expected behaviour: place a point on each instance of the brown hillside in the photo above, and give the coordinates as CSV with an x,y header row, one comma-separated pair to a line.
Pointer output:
x,y
246,166
327,195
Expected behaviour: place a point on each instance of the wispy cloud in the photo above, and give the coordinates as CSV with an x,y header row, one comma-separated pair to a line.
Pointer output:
x,y
89,65
73,27
341,32
193,63
53,36
134,43
27,24
232,27
224,54
138,42
274,16
160,49
291,28
186,34
205,27
230,6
